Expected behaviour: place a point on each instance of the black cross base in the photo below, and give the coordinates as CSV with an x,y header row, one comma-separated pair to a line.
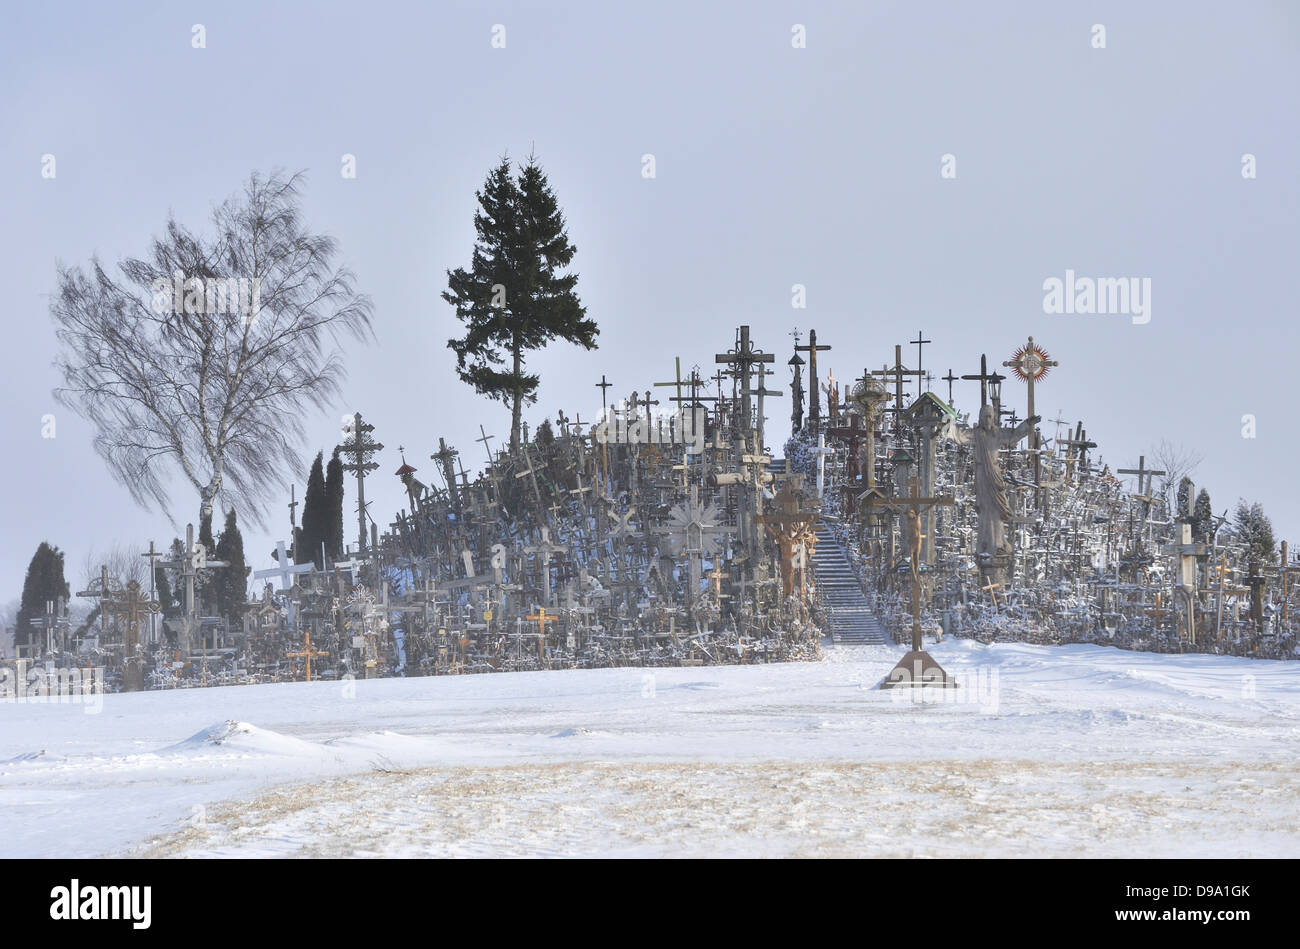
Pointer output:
x,y
918,669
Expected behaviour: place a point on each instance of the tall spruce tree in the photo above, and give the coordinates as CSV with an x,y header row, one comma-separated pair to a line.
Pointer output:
x,y
44,582
315,516
514,299
231,583
334,507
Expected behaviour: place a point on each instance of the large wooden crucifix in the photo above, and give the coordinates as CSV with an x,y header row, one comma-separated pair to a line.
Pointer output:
x,y
985,377
307,652
790,526
897,373
132,607
814,402
917,668
761,390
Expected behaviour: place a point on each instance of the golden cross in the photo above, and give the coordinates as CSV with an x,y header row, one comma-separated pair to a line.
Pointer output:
x,y
307,652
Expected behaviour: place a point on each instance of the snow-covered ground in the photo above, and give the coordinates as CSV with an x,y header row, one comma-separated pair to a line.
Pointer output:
x,y
1076,750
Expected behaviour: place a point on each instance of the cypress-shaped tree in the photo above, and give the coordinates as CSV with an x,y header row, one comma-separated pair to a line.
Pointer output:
x,y
315,516
514,298
44,582
1202,518
334,507
231,582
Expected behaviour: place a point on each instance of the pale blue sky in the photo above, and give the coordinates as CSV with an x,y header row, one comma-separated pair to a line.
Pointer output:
x,y
775,166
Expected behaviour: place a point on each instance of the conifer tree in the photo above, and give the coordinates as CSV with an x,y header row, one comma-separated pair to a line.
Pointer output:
x,y
514,298
44,582
315,516
333,534
231,583
1202,518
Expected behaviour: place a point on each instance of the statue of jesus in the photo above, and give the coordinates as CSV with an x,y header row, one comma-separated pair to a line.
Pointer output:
x,y
986,439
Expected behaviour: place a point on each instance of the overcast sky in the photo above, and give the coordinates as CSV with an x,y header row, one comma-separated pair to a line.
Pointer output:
x,y
774,166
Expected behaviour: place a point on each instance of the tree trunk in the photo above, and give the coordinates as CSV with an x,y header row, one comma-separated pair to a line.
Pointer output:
x,y
515,408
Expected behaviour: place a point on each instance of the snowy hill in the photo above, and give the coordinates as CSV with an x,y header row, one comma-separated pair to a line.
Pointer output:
x,y
1077,750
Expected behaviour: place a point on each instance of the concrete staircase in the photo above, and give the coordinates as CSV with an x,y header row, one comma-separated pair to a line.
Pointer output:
x,y
852,622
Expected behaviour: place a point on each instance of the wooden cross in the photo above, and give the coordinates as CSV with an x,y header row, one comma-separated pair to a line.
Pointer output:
x,y
444,456
602,385
950,379
741,359
541,617
984,377
812,349
918,343
307,652
546,549
677,381
132,607
761,391
897,373
992,589
485,439
649,402
913,505
1158,612
152,556
1143,475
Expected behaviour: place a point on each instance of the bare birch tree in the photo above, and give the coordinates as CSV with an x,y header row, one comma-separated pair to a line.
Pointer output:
x,y
202,358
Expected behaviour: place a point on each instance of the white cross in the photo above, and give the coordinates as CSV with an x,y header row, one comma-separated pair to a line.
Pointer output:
x,y
286,571
352,565
821,451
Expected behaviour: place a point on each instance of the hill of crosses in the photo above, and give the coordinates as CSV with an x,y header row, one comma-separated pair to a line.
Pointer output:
x,y
666,533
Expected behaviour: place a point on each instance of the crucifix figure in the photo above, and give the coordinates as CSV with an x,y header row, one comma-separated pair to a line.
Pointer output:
x,y
917,668
985,440
132,608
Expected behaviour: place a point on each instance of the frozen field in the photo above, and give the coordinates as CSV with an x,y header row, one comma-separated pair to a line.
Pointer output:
x,y
1050,751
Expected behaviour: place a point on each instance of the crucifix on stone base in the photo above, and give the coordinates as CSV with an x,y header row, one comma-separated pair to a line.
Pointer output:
x,y
918,667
